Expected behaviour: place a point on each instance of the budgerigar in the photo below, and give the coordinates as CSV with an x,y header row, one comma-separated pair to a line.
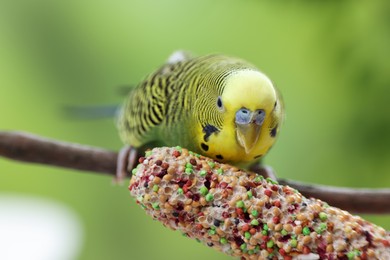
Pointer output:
x,y
219,106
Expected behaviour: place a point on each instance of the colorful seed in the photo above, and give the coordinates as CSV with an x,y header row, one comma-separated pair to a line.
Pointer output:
x,y
209,197
268,193
306,231
203,190
255,213
211,164
223,240
240,204
293,242
270,243
323,216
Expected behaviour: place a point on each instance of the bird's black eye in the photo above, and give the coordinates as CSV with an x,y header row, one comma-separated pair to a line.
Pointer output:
x,y
219,103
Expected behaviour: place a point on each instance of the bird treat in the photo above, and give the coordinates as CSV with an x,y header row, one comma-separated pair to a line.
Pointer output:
x,y
244,215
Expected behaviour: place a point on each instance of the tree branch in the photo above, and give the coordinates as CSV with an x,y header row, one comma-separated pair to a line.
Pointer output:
x,y
30,148
34,149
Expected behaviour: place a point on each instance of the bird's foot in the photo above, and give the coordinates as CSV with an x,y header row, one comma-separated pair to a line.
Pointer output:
x,y
125,164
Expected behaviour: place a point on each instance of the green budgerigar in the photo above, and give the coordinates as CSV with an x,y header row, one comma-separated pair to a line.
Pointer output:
x,y
215,105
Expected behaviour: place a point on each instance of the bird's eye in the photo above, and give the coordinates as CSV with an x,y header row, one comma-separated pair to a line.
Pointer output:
x,y
219,103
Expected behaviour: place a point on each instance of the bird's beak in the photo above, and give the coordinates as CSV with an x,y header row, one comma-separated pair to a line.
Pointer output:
x,y
247,135
248,127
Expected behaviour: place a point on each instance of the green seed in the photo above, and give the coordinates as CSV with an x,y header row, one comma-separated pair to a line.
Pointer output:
x,y
293,243
243,246
148,153
265,227
254,222
223,240
353,254
189,165
271,181
251,252
209,197
270,243
179,191
264,232
259,178
155,205
255,213
189,170
247,235
219,171
202,173
240,204
306,231
323,216
284,232
155,188
212,232
134,171
211,164
203,190
321,228
249,193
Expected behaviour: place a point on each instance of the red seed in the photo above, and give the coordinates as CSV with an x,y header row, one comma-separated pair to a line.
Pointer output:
x,y
223,185
287,257
252,231
165,165
306,250
245,227
277,203
386,243
239,211
193,161
225,214
189,194
282,252
276,220
268,193
274,188
176,153
141,159
158,162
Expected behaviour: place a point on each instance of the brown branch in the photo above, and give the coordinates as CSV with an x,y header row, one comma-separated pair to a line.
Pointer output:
x,y
34,149
30,148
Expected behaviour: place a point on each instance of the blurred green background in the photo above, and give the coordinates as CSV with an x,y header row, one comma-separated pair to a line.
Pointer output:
x,y
330,59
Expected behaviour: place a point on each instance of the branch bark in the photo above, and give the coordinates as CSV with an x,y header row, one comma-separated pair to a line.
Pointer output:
x,y
34,149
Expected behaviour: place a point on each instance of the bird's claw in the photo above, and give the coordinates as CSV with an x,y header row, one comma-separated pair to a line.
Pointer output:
x,y
126,161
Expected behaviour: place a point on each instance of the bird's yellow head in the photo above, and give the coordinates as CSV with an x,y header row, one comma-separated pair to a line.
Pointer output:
x,y
252,113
